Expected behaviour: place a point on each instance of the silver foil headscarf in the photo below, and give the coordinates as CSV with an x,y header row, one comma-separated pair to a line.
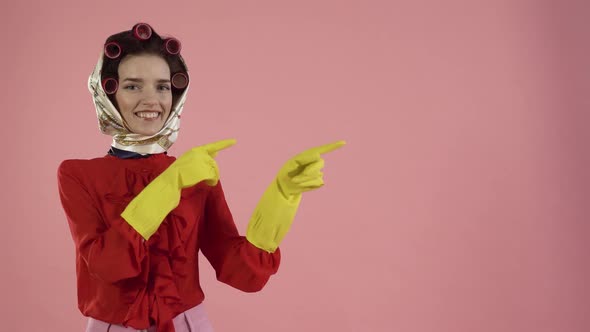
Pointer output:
x,y
110,121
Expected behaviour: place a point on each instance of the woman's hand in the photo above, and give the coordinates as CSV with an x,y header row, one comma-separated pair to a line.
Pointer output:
x,y
197,164
277,207
148,209
303,172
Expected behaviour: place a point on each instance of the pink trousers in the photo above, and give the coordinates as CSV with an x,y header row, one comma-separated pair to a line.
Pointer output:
x,y
192,320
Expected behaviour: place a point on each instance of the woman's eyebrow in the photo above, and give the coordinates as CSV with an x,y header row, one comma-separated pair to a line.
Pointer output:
x,y
131,79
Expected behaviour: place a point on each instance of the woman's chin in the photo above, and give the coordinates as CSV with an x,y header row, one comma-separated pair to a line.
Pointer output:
x,y
146,131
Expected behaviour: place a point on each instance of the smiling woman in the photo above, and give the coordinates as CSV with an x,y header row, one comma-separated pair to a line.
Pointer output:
x,y
139,86
145,96
139,217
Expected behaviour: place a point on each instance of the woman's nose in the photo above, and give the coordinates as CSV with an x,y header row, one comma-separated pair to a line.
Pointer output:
x,y
150,99
149,102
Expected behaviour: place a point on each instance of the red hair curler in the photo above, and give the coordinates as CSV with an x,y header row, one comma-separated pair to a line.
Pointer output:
x,y
172,45
179,80
142,31
112,50
110,85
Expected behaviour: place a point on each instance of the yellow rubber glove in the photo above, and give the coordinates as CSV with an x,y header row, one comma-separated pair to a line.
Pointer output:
x,y
148,209
276,209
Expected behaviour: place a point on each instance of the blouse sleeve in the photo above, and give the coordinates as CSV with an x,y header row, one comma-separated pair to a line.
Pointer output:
x,y
112,250
236,261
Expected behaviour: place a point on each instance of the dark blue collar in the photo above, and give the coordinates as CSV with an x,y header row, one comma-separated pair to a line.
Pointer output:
x,y
125,154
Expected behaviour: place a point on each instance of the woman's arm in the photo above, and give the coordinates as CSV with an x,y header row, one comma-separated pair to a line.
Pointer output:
x,y
236,261
111,253
248,262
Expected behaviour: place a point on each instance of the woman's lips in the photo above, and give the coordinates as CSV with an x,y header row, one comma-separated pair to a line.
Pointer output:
x,y
147,115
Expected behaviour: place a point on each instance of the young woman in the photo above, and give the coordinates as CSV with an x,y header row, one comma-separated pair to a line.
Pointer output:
x,y
139,217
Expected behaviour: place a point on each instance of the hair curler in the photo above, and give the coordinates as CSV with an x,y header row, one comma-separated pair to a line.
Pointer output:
x,y
142,31
110,85
112,50
172,45
179,80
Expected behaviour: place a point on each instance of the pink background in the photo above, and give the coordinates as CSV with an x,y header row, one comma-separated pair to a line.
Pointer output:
x,y
460,202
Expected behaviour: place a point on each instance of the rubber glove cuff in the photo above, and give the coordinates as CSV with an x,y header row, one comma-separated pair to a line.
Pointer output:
x,y
148,209
272,218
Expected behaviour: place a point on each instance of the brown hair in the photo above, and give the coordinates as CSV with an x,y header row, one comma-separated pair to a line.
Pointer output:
x,y
131,45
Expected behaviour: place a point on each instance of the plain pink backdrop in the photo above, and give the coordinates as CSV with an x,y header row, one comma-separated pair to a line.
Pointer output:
x,y
460,203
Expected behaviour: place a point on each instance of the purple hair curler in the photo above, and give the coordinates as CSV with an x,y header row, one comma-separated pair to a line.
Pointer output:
x,y
142,31
172,45
112,50
179,80
110,85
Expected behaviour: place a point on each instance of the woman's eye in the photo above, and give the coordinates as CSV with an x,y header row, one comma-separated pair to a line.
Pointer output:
x,y
131,87
164,87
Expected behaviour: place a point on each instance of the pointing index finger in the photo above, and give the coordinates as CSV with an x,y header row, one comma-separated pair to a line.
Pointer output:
x,y
328,147
215,147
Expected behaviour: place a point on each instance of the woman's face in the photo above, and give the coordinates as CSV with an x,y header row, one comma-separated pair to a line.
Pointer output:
x,y
144,96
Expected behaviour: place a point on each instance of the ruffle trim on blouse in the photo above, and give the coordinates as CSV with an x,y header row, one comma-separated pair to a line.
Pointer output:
x,y
157,301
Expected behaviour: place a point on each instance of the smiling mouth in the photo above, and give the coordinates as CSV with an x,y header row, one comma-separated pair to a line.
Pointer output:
x,y
147,114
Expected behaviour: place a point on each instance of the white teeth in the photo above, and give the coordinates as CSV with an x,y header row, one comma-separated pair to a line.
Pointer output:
x,y
147,115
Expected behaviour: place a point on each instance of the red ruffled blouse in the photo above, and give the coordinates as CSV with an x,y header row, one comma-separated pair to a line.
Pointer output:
x,y
123,279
